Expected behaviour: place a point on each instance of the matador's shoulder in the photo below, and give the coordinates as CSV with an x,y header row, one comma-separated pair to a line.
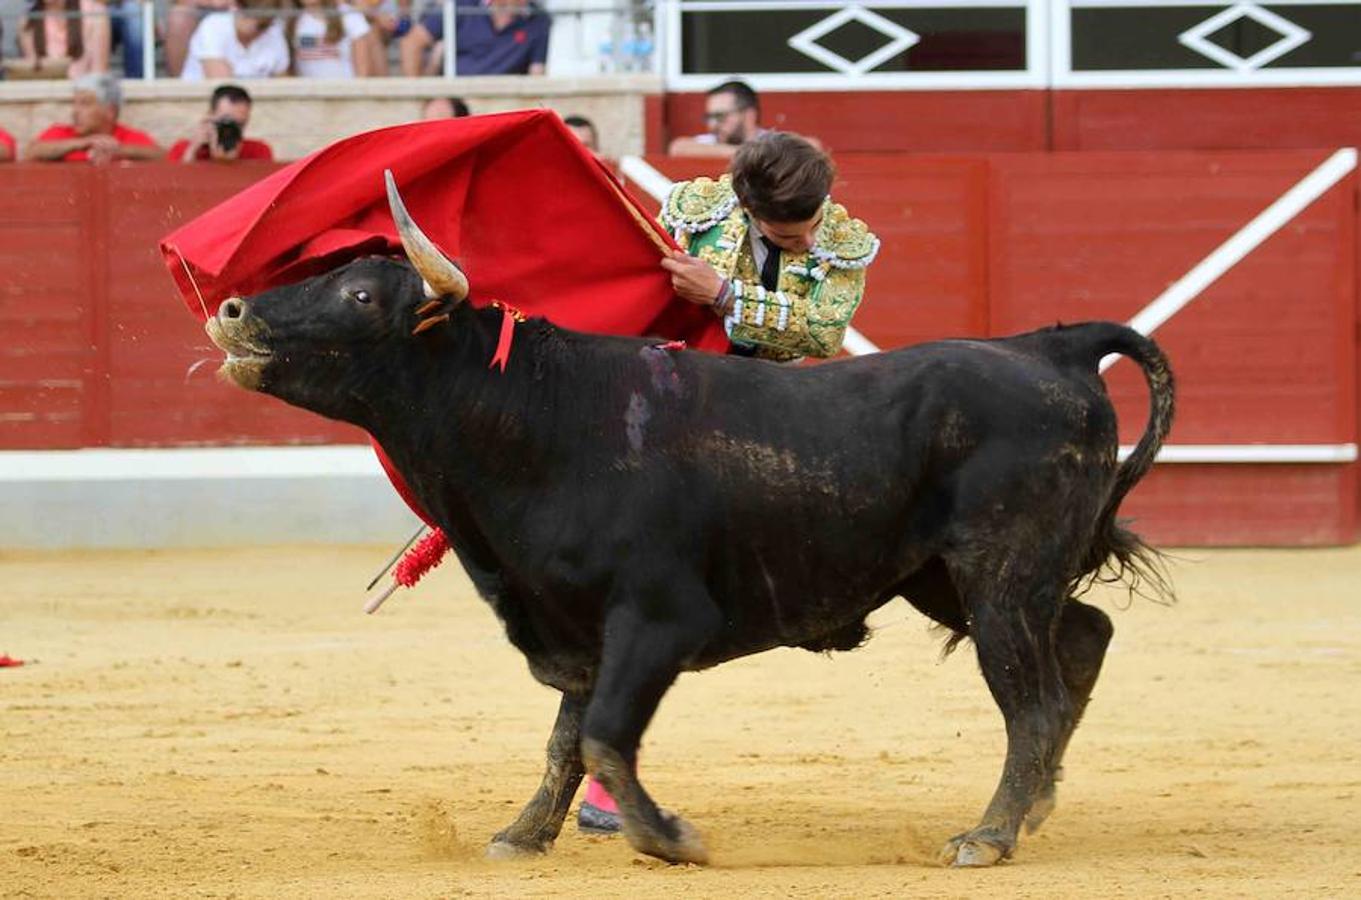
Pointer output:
x,y
698,205
844,242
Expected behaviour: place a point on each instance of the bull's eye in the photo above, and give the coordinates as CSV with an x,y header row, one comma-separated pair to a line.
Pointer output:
x,y
360,296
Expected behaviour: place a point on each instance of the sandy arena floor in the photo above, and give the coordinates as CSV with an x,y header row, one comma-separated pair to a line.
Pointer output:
x,y
228,723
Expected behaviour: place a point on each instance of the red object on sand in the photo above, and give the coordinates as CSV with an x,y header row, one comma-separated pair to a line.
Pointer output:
x,y
9,662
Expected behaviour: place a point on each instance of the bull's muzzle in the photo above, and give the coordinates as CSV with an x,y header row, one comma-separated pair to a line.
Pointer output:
x,y
241,336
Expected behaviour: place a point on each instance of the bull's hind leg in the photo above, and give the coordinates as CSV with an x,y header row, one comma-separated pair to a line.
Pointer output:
x,y
648,639
1084,633
538,825
1013,615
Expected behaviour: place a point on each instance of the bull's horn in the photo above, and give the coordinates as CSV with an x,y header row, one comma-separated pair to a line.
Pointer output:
x,y
441,276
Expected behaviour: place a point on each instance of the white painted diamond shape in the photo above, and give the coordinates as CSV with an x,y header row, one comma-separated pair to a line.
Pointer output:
x,y
899,37
1291,34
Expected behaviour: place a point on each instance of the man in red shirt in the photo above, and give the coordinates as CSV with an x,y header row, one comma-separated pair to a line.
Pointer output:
x,y
220,135
94,135
6,146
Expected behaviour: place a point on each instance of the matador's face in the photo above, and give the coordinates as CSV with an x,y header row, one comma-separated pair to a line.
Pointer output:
x,y
793,237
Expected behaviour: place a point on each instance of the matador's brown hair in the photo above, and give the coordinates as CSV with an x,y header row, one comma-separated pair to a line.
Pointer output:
x,y
780,177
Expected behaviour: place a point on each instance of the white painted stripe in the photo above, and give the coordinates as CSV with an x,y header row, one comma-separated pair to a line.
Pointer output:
x,y
857,344
359,461
1202,78
1210,4
1252,453
768,6
1016,79
183,463
641,173
1248,238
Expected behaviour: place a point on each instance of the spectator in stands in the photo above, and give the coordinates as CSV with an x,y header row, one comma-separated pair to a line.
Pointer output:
x,y
221,135
94,134
328,42
389,20
181,20
65,38
585,131
445,108
509,38
129,34
732,113
246,43
7,149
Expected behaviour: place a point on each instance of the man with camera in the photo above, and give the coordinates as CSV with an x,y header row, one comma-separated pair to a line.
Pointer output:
x,y
220,135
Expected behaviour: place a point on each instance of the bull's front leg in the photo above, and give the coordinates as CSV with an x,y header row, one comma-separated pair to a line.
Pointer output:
x,y
538,825
649,635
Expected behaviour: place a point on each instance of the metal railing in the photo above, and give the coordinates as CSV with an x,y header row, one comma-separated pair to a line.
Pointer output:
x,y
625,46
906,44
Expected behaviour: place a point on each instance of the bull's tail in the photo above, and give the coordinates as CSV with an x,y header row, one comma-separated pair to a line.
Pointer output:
x,y
1117,554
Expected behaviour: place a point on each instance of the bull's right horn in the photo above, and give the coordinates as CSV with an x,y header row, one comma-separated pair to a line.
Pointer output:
x,y
442,277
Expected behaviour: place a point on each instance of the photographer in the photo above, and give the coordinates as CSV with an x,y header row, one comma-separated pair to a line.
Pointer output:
x,y
221,134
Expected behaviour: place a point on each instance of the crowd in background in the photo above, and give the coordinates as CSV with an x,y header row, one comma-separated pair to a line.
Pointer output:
x,y
94,134
274,38
732,117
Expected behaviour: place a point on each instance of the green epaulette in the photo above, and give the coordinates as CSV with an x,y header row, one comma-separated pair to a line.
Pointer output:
x,y
696,206
844,242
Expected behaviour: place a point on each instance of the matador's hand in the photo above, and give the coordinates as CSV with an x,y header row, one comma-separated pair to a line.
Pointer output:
x,y
692,278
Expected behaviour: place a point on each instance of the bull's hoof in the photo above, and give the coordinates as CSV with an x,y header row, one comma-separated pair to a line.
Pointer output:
x,y
685,847
973,850
501,849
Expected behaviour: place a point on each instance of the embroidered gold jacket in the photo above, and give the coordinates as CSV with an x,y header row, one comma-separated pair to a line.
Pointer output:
x,y
818,291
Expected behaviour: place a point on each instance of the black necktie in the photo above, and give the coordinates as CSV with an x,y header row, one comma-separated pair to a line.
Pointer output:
x,y
770,271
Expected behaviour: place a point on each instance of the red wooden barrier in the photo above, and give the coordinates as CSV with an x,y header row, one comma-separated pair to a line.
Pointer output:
x,y
878,121
97,347
1264,355
1206,119
1032,120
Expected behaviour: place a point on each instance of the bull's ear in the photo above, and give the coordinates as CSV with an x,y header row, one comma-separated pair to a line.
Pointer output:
x,y
442,278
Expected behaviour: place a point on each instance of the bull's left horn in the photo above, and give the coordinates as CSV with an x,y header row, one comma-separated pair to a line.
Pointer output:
x,y
441,276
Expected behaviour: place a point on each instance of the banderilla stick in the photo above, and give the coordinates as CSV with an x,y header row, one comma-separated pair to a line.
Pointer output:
x,y
376,601
396,556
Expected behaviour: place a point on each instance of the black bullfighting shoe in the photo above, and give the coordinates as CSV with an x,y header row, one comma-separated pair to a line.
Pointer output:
x,y
591,819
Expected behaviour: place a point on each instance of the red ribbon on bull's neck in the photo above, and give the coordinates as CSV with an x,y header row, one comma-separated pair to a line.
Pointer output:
x,y
509,316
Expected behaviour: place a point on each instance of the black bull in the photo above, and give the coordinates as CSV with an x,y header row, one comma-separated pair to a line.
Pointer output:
x,y
631,512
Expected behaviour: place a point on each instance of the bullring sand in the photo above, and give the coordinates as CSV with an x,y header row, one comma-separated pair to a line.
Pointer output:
x,y
228,724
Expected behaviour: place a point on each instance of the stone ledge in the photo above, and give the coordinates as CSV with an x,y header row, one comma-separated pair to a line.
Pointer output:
x,y
299,116
468,87
197,496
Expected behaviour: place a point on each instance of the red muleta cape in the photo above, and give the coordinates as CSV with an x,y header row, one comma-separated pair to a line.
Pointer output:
x,y
533,219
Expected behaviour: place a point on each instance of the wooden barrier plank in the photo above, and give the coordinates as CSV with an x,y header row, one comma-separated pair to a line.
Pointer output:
x,y
47,358
1206,119
1082,236
152,401
1243,505
102,347
884,121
